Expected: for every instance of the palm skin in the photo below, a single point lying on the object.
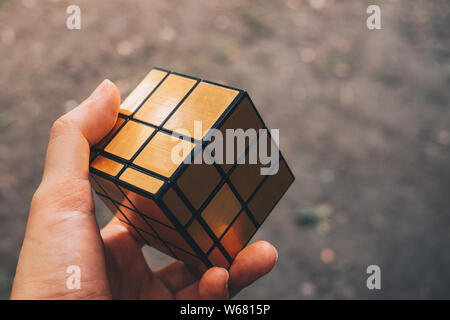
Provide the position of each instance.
(131, 278)
(62, 230)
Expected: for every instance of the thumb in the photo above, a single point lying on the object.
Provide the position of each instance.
(96, 116)
(73, 133)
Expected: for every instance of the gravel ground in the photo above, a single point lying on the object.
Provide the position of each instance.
(364, 122)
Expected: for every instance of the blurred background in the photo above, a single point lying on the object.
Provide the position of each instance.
(363, 115)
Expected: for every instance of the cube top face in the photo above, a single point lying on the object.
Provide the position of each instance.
(202, 213)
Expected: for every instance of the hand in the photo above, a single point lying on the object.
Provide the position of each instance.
(62, 230)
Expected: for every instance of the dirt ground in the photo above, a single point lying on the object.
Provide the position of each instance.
(364, 122)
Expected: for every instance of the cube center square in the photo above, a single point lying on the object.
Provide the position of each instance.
(146, 170)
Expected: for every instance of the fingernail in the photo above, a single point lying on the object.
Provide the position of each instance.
(276, 253)
(100, 90)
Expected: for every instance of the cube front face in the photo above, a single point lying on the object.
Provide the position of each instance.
(202, 214)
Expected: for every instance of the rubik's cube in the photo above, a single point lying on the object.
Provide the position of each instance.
(200, 213)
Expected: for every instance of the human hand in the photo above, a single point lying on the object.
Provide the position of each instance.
(62, 230)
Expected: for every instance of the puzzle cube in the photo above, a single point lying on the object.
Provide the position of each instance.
(202, 214)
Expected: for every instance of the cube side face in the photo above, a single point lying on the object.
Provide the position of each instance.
(245, 118)
(224, 196)
(260, 183)
(202, 214)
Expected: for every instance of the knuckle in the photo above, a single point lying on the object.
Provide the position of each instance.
(60, 126)
(41, 194)
(71, 195)
(37, 196)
